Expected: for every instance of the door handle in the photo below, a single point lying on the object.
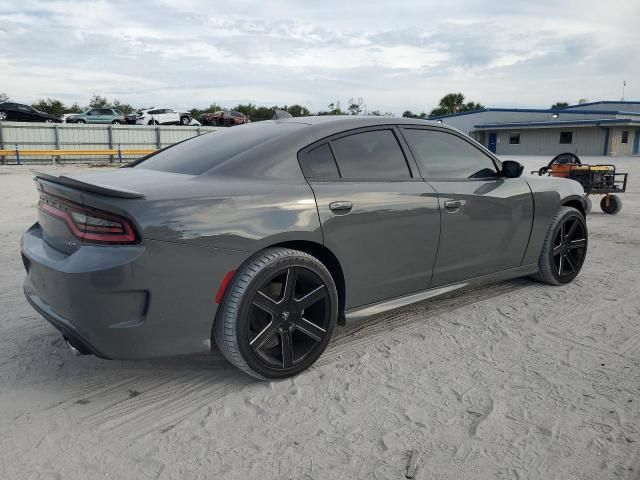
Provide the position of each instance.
(341, 208)
(452, 206)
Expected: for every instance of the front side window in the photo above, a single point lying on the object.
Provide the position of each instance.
(444, 155)
(625, 136)
(514, 139)
(370, 155)
(566, 138)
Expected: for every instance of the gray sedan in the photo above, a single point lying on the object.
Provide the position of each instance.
(263, 237)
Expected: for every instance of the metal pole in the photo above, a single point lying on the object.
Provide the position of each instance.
(3, 158)
(158, 137)
(56, 134)
(18, 155)
(119, 154)
(111, 143)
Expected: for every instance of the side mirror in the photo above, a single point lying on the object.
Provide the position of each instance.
(511, 169)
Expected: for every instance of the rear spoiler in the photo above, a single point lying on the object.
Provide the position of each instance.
(105, 190)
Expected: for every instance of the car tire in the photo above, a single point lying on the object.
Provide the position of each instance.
(260, 327)
(81, 121)
(116, 122)
(3, 116)
(184, 121)
(611, 207)
(564, 248)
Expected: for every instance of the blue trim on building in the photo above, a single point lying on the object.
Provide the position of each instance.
(560, 123)
(566, 110)
(600, 102)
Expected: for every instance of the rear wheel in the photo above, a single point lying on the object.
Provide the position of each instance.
(116, 122)
(278, 314)
(81, 121)
(3, 116)
(564, 248)
(611, 204)
(185, 121)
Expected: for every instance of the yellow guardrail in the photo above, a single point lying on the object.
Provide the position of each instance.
(64, 153)
(117, 152)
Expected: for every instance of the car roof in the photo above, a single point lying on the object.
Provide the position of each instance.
(262, 160)
(325, 125)
(356, 121)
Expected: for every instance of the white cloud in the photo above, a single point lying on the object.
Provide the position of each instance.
(397, 55)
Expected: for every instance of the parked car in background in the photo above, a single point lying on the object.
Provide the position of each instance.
(64, 117)
(17, 112)
(224, 118)
(98, 115)
(162, 116)
(130, 118)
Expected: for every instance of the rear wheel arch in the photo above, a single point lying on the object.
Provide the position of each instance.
(330, 261)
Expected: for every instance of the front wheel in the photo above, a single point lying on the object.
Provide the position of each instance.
(278, 314)
(116, 122)
(564, 248)
(611, 204)
(185, 121)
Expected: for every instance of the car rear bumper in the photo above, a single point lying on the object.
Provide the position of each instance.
(127, 302)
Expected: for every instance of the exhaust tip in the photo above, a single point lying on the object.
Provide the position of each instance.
(76, 351)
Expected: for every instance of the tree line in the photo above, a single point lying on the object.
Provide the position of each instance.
(449, 104)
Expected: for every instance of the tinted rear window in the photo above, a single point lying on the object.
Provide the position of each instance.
(370, 155)
(199, 154)
(319, 163)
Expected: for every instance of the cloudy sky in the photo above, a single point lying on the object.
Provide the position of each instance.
(397, 55)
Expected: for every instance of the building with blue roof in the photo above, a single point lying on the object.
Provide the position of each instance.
(597, 128)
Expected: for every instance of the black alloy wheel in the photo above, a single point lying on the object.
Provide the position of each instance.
(289, 317)
(564, 248)
(278, 314)
(569, 248)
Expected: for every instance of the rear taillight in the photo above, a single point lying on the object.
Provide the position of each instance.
(90, 224)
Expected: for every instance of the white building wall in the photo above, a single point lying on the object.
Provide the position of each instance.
(546, 141)
(466, 123)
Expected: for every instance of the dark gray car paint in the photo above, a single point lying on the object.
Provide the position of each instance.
(487, 233)
(157, 298)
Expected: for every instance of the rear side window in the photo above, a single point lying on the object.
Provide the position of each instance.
(370, 155)
(319, 163)
(444, 155)
(200, 154)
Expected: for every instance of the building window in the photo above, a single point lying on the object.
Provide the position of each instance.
(625, 136)
(514, 139)
(566, 138)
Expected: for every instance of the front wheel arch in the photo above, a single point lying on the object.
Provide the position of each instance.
(579, 203)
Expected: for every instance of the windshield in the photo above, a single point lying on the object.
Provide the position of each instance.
(199, 154)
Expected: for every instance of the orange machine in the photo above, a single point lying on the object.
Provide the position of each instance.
(595, 179)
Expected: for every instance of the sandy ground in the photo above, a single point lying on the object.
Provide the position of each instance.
(513, 381)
